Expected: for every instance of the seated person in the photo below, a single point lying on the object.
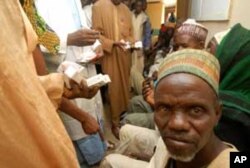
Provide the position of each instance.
(187, 109)
(189, 35)
(232, 48)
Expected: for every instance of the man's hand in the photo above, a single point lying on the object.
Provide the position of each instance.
(120, 44)
(83, 37)
(80, 91)
(99, 54)
(89, 124)
(148, 92)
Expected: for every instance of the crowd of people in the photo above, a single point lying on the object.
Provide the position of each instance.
(175, 103)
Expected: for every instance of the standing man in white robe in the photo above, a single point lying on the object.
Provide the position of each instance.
(66, 18)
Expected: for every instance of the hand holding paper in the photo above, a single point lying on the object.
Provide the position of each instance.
(76, 84)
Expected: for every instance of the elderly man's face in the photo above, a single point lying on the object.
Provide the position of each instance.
(182, 41)
(186, 111)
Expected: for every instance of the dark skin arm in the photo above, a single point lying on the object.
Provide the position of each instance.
(80, 91)
(148, 92)
(39, 62)
(77, 91)
(82, 37)
(89, 123)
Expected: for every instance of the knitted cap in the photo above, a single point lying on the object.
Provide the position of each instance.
(191, 27)
(197, 62)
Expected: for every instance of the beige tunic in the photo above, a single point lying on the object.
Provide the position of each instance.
(32, 134)
(160, 159)
(115, 24)
(137, 57)
(138, 25)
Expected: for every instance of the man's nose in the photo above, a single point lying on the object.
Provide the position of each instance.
(178, 121)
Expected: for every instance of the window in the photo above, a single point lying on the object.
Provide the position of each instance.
(205, 10)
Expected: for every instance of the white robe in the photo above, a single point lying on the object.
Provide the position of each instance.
(64, 17)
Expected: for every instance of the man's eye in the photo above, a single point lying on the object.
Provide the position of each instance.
(164, 108)
(196, 111)
(184, 46)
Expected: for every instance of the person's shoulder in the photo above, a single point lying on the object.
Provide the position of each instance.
(101, 3)
(145, 16)
(223, 159)
(122, 5)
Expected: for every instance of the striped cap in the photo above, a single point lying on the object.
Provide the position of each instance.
(196, 62)
(191, 27)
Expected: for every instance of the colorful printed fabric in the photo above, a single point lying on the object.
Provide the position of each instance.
(196, 62)
(46, 36)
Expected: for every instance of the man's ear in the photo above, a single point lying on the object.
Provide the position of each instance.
(218, 111)
(202, 44)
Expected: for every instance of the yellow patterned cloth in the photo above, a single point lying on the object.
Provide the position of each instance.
(196, 62)
(46, 36)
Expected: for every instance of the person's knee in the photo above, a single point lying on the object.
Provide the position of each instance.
(134, 101)
(113, 160)
(130, 119)
(137, 105)
(137, 119)
(105, 163)
(137, 99)
(125, 132)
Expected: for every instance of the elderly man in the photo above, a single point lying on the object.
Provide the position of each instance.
(189, 35)
(187, 109)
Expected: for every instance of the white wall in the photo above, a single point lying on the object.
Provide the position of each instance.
(239, 13)
(169, 3)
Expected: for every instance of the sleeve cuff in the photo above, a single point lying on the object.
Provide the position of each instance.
(53, 84)
(63, 45)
